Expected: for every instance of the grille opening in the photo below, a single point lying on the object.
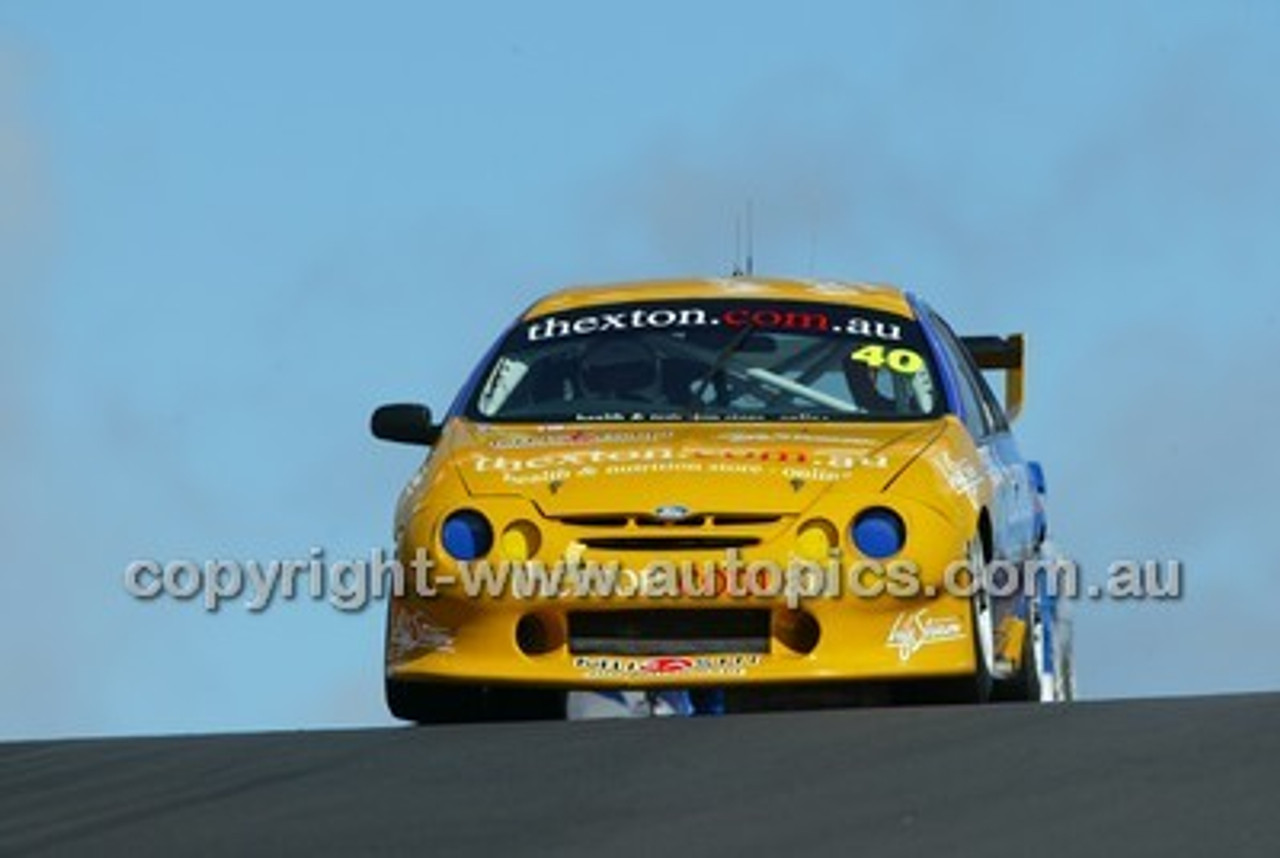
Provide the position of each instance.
(595, 520)
(683, 542)
(654, 521)
(669, 632)
(798, 631)
(535, 636)
(648, 520)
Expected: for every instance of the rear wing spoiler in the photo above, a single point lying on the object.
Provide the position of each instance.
(1002, 354)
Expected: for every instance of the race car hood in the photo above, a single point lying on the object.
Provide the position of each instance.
(624, 468)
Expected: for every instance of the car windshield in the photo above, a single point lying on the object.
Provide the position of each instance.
(710, 360)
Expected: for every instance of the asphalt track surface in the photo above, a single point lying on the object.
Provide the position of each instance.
(1159, 777)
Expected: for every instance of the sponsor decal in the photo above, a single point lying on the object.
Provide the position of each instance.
(771, 316)
(904, 361)
(553, 477)
(859, 443)
(606, 460)
(611, 667)
(960, 474)
(913, 630)
(577, 438)
(412, 634)
(837, 470)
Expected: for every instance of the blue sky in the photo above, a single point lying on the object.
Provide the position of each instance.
(229, 230)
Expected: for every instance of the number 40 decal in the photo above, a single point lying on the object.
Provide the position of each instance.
(899, 360)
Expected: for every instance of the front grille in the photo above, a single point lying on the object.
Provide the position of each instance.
(681, 542)
(595, 520)
(654, 521)
(669, 632)
(645, 520)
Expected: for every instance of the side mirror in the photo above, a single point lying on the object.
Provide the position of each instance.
(1036, 470)
(405, 423)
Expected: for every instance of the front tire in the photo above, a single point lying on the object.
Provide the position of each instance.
(976, 687)
(457, 703)
(979, 686)
(434, 702)
(526, 704)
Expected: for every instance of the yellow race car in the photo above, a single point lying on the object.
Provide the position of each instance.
(752, 490)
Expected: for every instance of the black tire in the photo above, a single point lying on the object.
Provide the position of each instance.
(456, 703)
(525, 704)
(970, 688)
(1024, 686)
(982, 683)
(435, 702)
(978, 686)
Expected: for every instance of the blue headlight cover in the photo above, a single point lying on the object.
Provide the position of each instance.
(879, 532)
(466, 535)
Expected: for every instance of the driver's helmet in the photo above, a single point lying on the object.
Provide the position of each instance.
(618, 367)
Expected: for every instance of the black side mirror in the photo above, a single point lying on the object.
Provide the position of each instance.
(406, 423)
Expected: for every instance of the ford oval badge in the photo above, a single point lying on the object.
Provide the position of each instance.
(671, 512)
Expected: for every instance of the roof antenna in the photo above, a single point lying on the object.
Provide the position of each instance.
(744, 266)
(737, 246)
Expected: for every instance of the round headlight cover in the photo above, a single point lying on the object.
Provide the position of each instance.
(520, 540)
(466, 535)
(815, 539)
(878, 532)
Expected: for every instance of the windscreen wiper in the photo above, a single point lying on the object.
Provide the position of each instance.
(700, 386)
